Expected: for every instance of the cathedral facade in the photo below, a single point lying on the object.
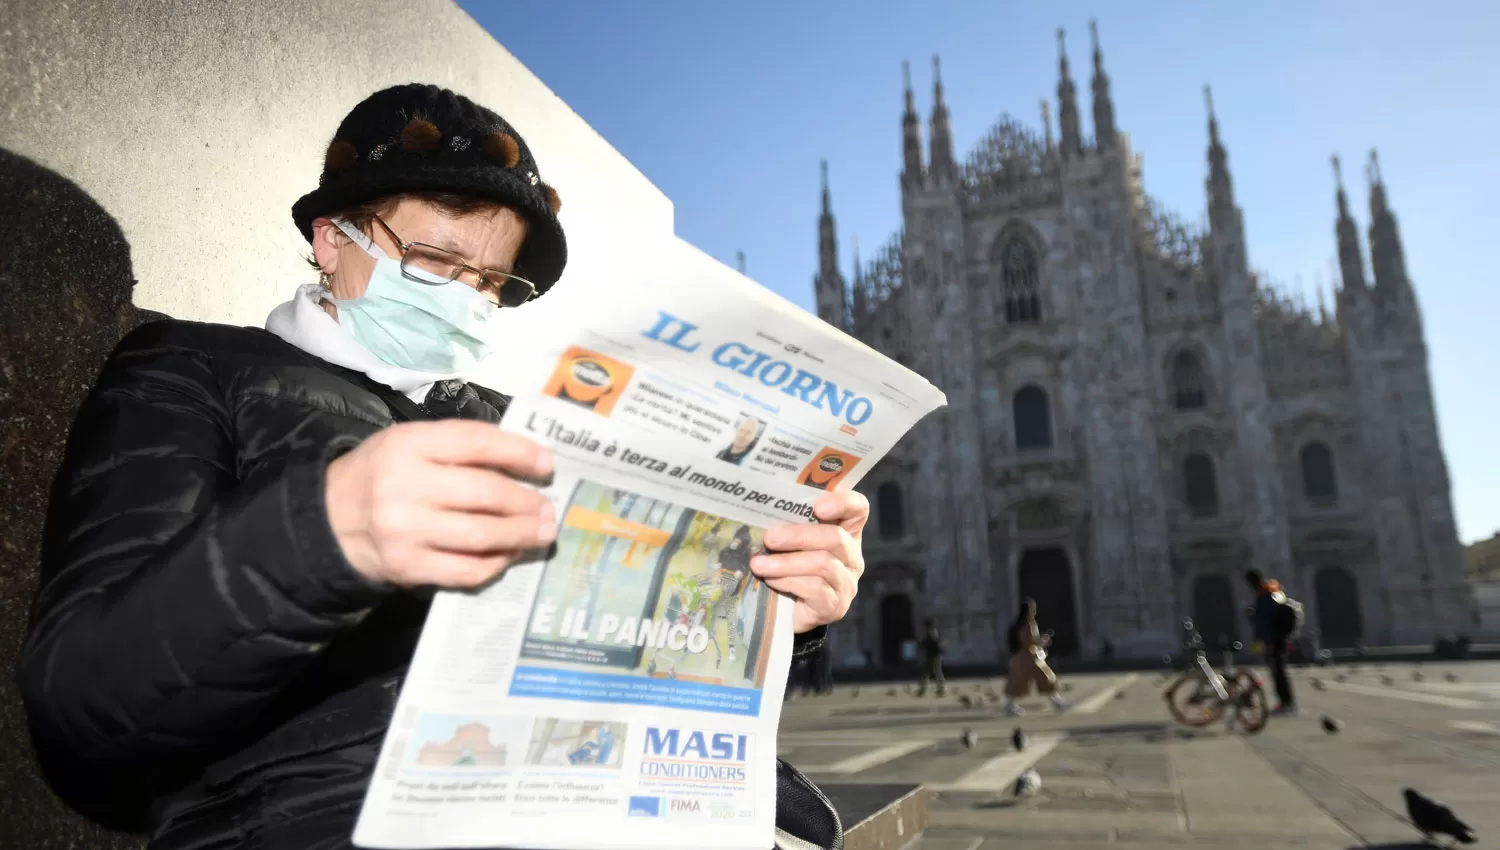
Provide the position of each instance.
(1135, 419)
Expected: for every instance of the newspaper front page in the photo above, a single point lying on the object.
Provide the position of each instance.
(623, 689)
(719, 366)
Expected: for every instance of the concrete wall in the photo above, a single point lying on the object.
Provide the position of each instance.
(152, 152)
(198, 124)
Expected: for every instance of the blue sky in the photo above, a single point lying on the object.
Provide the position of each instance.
(728, 107)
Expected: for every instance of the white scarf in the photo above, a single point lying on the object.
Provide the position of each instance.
(304, 323)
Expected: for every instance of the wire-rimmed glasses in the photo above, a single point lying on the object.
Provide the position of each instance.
(434, 266)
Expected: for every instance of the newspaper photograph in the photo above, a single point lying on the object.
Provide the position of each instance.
(621, 689)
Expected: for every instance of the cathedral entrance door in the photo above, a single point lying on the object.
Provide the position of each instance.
(1213, 609)
(1046, 576)
(1338, 607)
(897, 626)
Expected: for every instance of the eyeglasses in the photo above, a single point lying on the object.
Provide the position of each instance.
(434, 266)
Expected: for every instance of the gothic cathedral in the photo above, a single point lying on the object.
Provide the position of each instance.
(1134, 418)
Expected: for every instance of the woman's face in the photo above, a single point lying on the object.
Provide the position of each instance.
(489, 239)
(745, 434)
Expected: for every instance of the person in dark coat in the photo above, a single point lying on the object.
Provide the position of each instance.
(245, 532)
(930, 649)
(1265, 618)
(823, 663)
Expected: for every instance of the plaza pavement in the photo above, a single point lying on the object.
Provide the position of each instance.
(1117, 772)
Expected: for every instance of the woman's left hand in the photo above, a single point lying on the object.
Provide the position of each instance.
(819, 565)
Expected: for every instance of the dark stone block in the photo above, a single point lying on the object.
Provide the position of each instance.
(65, 278)
(878, 817)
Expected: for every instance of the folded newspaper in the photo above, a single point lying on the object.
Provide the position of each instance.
(623, 689)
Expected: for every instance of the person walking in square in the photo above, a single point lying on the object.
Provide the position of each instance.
(931, 651)
(1028, 663)
(1274, 621)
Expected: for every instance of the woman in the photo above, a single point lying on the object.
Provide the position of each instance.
(731, 571)
(1028, 662)
(246, 527)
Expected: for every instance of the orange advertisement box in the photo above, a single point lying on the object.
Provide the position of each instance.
(827, 468)
(589, 379)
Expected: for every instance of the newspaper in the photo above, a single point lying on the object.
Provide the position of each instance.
(623, 689)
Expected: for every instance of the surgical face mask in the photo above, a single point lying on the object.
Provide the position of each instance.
(438, 328)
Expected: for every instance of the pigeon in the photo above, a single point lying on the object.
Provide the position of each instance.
(970, 740)
(1028, 783)
(1318, 684)
(1018, 739)
(1387, 681)
(966, 701)
(1416, 675)
(890, 693)
(1332, 726)
(1119, 694)
(854, 694)
(1451, 677)
(1434, 818)
(1340, 677)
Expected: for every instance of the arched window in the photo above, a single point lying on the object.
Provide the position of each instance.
(1021, 278)
(890, 512)
(1033, 418)
(1318, 482)
(1188, 391)
(1200, 485)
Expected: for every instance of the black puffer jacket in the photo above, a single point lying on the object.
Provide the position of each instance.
(202, 661)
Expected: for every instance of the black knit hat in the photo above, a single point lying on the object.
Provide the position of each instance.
(416, 138)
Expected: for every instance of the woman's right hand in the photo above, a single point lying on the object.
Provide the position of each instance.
(437, 503)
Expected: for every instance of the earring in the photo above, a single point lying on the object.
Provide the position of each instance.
(325, 281)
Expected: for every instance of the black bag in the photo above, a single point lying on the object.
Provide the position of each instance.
(805, 820)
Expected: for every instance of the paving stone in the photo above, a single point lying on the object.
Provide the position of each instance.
(1125, 778)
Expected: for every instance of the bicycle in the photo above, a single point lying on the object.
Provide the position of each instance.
(1201, 695)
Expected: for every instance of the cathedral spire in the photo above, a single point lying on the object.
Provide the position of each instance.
(827, 200)
(1225, 224)
(1386, 256)
(861, 296)
(1067, 103)
(942, 135)
(1047, 124)
(911, 131)
(1351, 263)
(1104, 108)
(828, 287)
(1220, 186)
